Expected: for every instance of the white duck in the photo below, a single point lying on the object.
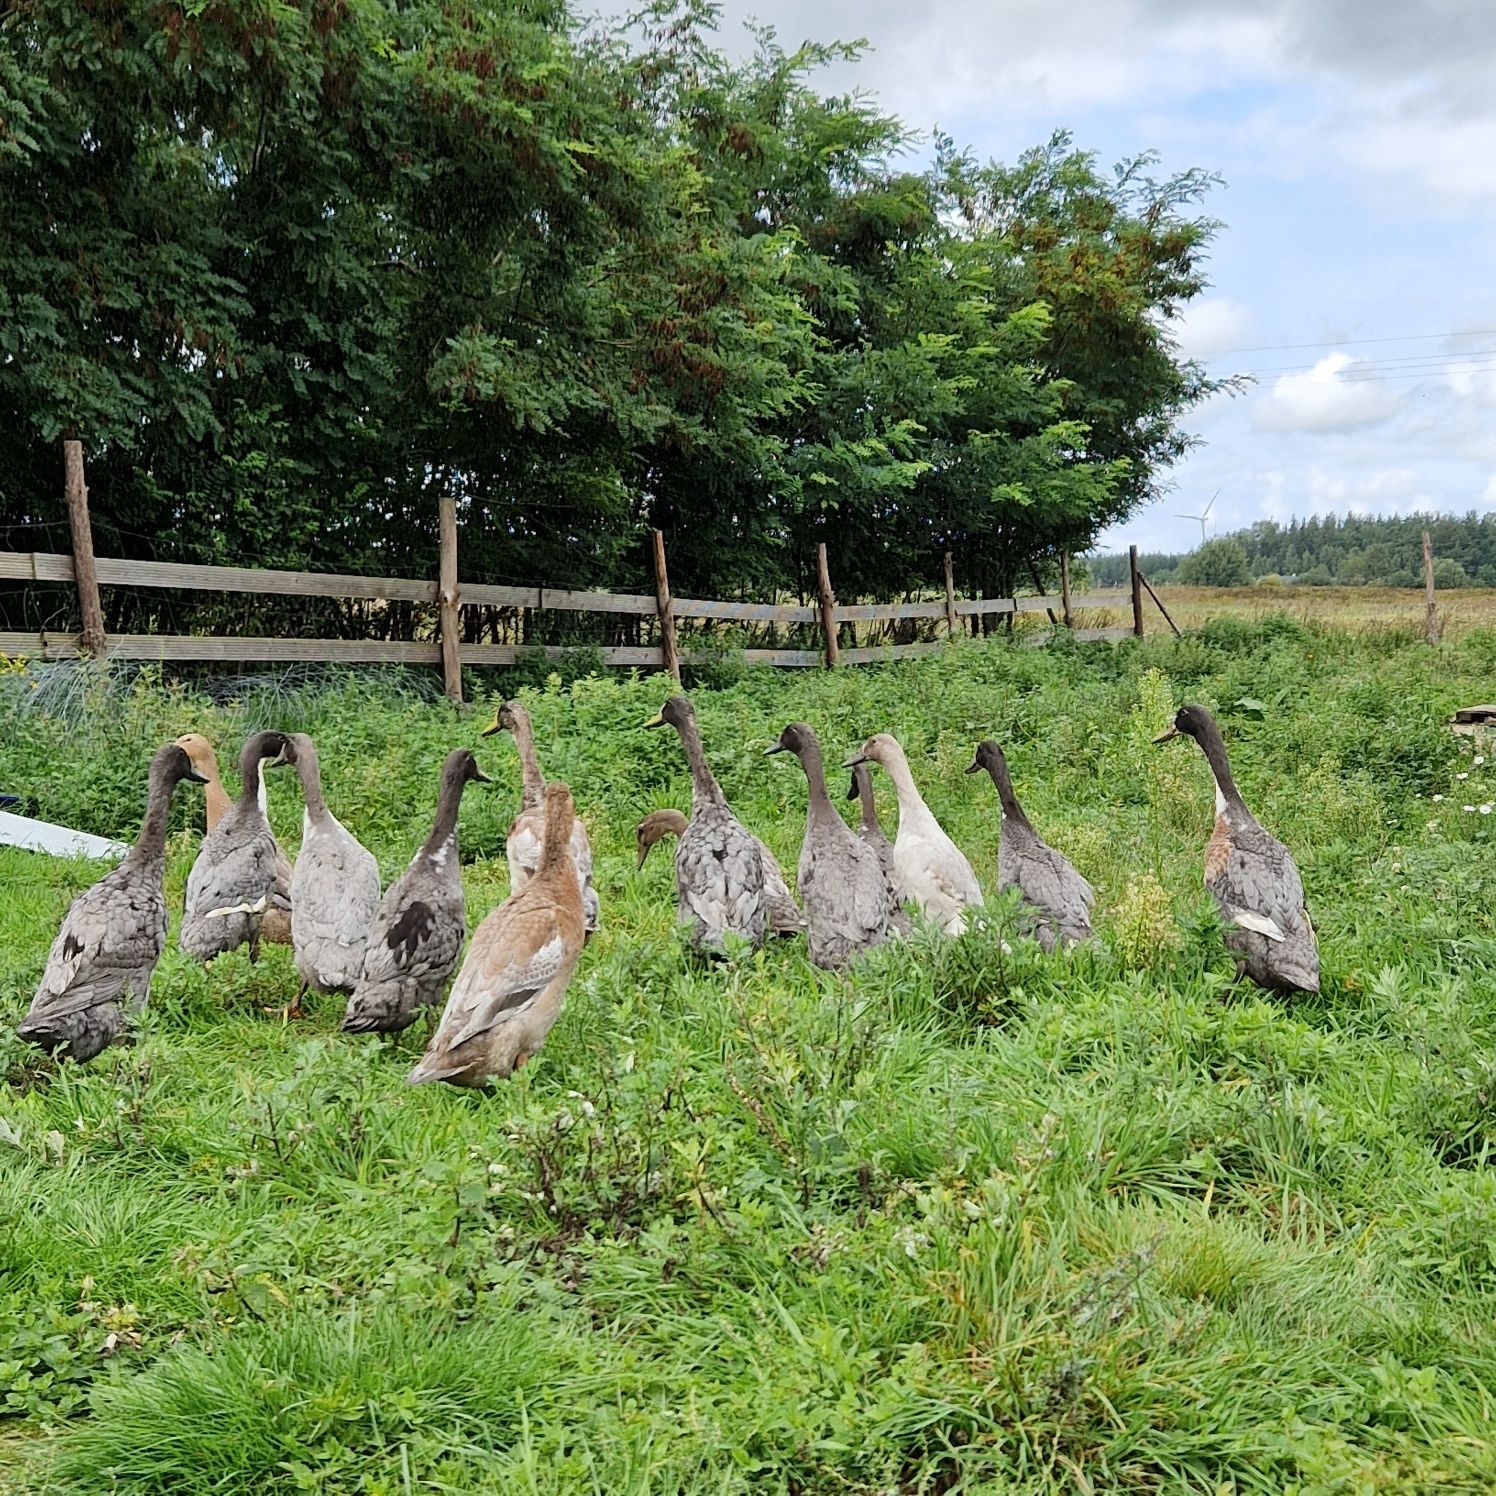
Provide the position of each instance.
(933, 873)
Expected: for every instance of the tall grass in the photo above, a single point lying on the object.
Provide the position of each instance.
(974, 1219)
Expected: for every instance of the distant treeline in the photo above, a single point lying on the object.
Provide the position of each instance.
(1348, 551)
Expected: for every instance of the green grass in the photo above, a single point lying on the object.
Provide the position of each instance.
(974, 1220)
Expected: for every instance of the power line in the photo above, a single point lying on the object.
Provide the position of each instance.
(1380, 363)
(1411, 337)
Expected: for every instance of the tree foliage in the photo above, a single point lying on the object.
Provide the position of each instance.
(1349, 550)
(1217, 563)
(291, 267)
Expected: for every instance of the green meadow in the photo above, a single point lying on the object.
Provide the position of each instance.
(972, 1219)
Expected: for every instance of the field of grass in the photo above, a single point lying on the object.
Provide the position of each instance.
(1383, 609)
(972, 1220)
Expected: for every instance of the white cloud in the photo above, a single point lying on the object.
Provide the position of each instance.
(1319, 399)
(1213, 325)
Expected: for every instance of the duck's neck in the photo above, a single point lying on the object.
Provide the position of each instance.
(815, 777)
(704, 784)
(253, 776)
(867, 800)
(215, 798)
(911, 804)
(444, 828)
(150, 846)
(1012, 810)
(311, 782)
(557, 844)
(533, 780)
(1213, 746)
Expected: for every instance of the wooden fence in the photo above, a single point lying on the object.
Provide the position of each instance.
(88, 573)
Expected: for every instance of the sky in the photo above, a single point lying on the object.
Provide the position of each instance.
(1355, 276)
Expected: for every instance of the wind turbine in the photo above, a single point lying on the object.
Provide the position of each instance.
(1202, 517)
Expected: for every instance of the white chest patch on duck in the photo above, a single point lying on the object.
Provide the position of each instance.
(439, 857)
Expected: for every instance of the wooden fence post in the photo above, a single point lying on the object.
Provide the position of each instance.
(1137, 590)
(1431, 618)
(85, 572)
(669, 654)
(447, 598)
(1065, 590)
(950, 596)
(828, 606)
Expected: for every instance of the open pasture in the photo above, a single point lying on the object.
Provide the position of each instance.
(974, 1219)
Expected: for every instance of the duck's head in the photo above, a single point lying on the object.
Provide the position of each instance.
(676, 713)
(989, 757)
(461, 766)
(797, 738)
(510, 717)
(200, 754)
(264, 750)
(881, 748)
(173, 763)
(656, 825)
(1190, 721)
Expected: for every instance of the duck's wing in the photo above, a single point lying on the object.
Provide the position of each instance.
(110, 940)
(581, 856)
(1258, 886)
(784, 914)
(334, 889)
(720, 873)
(515, 955)
(1049, 882)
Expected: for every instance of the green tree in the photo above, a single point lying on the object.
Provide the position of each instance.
(1218, 563)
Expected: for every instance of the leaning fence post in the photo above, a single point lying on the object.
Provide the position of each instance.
(1137, 590)
(447, 598)
(828, 605)
(85, 572)
(1431, 619)
(1065, 612)
(669, 654)
(950, 596)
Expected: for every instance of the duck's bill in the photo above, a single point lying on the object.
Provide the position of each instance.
(852, 789)
(193, 777)
(480, 776)
(1164, 737)
(491, 729)
(658, 720)
(857, 758)
(973, 767)
(777, 748)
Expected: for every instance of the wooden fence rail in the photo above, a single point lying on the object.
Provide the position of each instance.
(447, 596)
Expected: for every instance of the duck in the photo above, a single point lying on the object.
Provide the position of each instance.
(870, 829)
(1252, 876)
(719, 870)
(781, 911)
(933, 873)
(513, 981)
(101, 963)
(334, 887)
(275, 923)
(849, 906)
(233, 880)
(417, 934)
(1056, 899)
(527, 832)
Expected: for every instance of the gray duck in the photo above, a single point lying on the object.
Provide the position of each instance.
(233, 881)
(849, 906)
(334, 886)
(418, 932)
(1251, 876)
(719, 871)
(782, 912)
(1056, 899)
(870, 829)
(101, 962)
